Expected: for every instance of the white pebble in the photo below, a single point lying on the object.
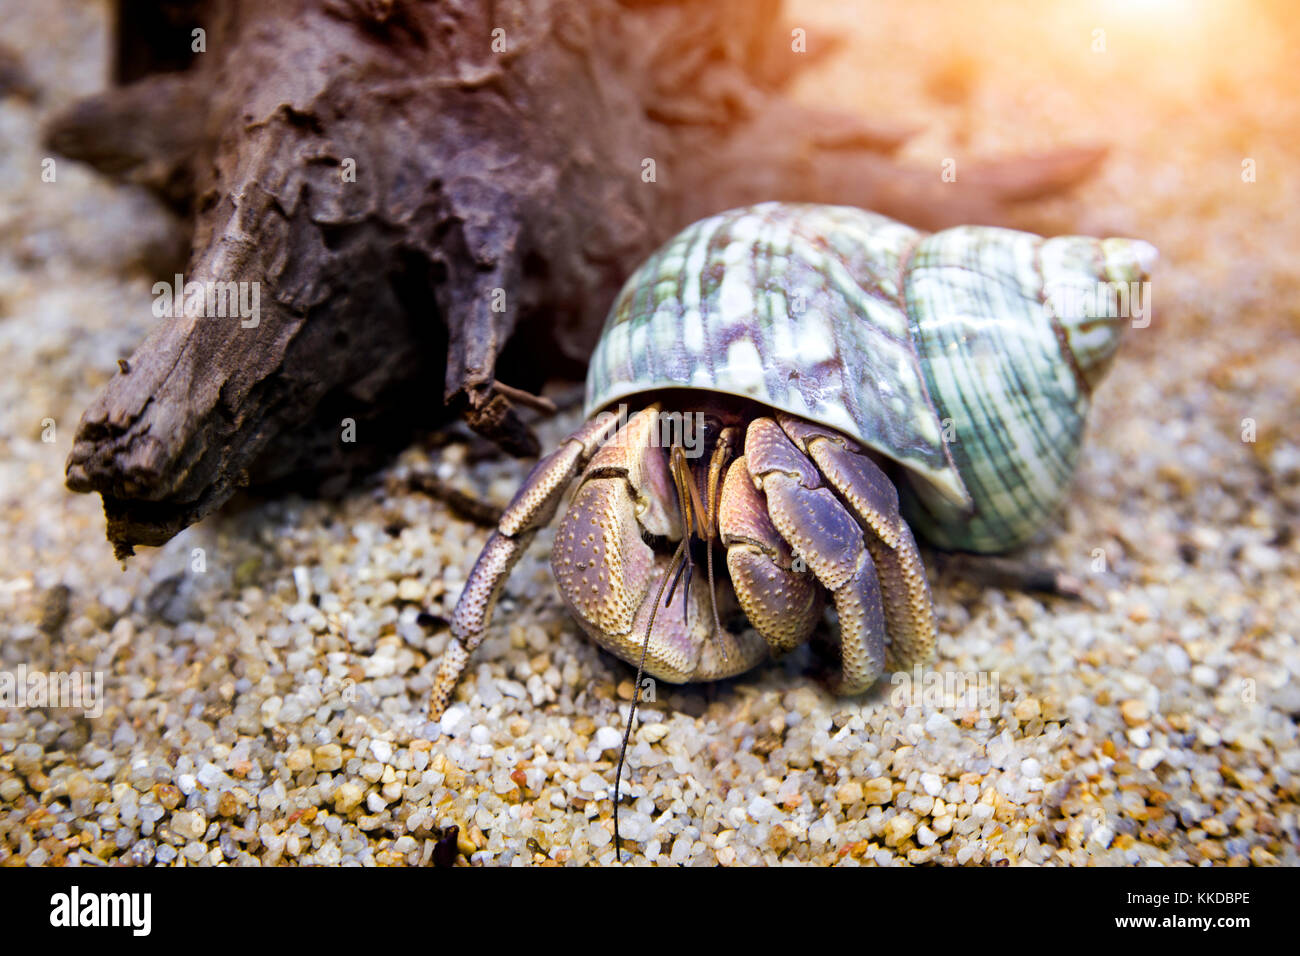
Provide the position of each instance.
(451, 719)
(404, 844)
(1262, 558)
(681, 850)
(937, 724)
(1150, 759)
(761, 809)
(1177, 659)
(1204, 675)
(302, 582)
(210, 776)
(598, 836)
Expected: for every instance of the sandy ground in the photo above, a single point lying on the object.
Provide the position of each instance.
(265, 673)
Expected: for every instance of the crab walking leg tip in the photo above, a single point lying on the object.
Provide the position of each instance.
(453, 663)
(533, 507)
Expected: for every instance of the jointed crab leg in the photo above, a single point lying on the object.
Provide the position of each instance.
(533, 507)
(603, 566)
(826, 537)
(873, 500)
(784, 605)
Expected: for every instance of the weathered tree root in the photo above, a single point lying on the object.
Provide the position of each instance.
(451, 190)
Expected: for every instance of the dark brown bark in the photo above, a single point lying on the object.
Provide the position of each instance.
(500, 198)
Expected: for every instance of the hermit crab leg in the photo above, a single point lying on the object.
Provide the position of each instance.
(784, 605)
(829, 540)
(533, 507)
(872, 498)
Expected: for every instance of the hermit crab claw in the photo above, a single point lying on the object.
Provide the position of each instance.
(839, 514)
(627, 597)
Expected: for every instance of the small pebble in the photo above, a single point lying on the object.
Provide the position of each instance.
(898, 828)
(348, 796)
(849, 793)
(1134, 712)
(298, 760)
(878, 790)
(328, 757)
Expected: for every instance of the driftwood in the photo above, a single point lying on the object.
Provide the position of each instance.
(432, 198)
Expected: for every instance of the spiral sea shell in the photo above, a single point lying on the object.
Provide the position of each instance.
(966, 357)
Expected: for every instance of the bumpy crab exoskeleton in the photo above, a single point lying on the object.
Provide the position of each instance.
(801, 511)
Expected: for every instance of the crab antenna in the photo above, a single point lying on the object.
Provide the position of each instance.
(673, 567)
(676, 467)
(677, 577)
(698, 511)
(717, 461)
(693, 516)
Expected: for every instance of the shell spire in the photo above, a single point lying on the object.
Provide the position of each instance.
(1092, 289)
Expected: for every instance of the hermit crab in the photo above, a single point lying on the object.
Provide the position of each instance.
(781, 394)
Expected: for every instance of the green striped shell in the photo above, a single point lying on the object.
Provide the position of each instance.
(966, 356)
